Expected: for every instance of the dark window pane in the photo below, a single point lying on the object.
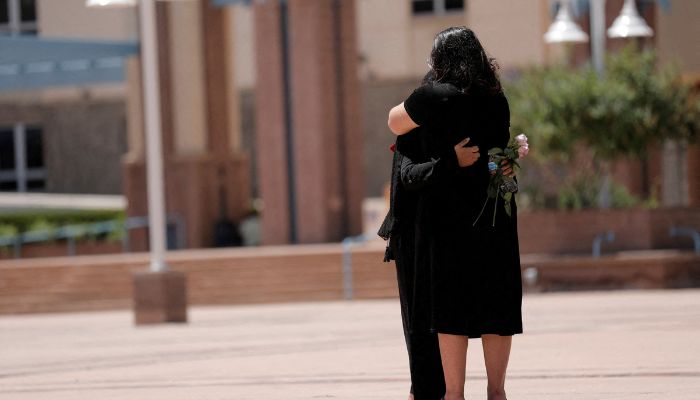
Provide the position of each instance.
(7, 149)
(4, 12)
(422, 6)
(8, 186)
(454, 5)
(35, 147)
(28, 10)
(36, 185)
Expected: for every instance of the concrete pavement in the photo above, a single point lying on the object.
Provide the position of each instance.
(583, 345)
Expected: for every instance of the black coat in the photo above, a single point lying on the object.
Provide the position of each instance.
(399, 228)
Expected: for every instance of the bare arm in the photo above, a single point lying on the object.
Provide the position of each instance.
(399, 121)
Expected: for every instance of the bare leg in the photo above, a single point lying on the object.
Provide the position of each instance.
(453, 350)
(496, 353)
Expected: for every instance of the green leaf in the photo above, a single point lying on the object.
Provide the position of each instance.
(495, 151)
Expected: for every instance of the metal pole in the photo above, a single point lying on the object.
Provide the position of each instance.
(597, 11)
(154, 153)
(288, 121)
(20, 137)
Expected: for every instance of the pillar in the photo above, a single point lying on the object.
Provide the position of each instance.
(310, 143)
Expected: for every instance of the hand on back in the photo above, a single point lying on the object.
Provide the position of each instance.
(466, 156)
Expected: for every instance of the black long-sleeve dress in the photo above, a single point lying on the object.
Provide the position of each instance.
(473, 285)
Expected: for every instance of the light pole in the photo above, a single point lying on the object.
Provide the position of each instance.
(170, 306)
(628, 24)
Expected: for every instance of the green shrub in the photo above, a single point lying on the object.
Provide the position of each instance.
(622, 198)
(21, 222)
(634, 105)
(583, 191)
(580, 192)
(7, 230)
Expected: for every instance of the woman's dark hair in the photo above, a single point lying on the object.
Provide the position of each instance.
(458, 58)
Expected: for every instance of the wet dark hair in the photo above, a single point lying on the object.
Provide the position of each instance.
(458, 58)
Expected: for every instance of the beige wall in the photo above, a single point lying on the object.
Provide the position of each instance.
(511, 31)
(678, 35)
(384, 38)
(242, 45)
(71, 19)
(187, 83)
(394, 43)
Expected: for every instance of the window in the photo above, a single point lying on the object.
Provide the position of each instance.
(437, 6)
(22, 158)
(18, 17)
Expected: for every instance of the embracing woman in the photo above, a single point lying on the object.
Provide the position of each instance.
(473, 284)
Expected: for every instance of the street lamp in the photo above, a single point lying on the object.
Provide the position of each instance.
(110, 3)
(564, 29)
(628, 24)
(172, 287)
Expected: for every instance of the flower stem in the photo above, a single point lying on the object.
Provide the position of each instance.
(482, 211)
(495, 206)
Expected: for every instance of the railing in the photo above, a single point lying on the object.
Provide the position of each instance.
(608, 236)
(348, 244)
(70, 233)
(688, 232)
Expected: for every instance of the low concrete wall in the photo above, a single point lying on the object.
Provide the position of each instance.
(298, 273)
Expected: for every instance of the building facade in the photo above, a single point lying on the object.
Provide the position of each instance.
(216, 89)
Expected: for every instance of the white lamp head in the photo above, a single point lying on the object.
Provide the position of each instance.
(110, 3)
(629, 23)
(564, 29)
(115, 3)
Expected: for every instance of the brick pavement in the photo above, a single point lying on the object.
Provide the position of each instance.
(583, 345)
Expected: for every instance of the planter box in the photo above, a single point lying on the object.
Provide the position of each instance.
(573, 232)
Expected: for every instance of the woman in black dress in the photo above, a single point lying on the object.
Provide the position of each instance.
(474, 284)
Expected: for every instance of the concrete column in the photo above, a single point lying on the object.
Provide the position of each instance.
(270, 124)
(327, 160)
(352, 119)
(204, 179)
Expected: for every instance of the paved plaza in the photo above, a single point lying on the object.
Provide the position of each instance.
(584, 345)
